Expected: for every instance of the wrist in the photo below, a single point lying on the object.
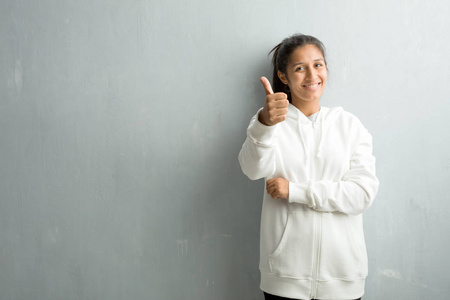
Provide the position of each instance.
(261, 118)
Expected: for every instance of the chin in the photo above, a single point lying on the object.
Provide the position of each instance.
(309, 99)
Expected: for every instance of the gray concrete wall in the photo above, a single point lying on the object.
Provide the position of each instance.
(121, 121)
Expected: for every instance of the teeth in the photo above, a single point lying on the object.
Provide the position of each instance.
(312, 86)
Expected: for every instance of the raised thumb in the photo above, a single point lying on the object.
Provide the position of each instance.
(266, 84)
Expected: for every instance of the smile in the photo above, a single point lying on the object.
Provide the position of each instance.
(311, 86)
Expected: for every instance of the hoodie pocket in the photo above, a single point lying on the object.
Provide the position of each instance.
(293, 255)
(343, 254)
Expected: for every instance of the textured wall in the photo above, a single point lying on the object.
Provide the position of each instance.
(121, 121)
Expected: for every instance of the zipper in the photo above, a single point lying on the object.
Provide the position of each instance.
(316, 261)
(317, 222)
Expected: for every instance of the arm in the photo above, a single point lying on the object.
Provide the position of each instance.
(257, 156)
(353, 194)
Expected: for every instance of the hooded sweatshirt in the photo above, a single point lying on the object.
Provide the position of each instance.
(312, 244)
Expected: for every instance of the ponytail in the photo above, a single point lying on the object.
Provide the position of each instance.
(277, 85)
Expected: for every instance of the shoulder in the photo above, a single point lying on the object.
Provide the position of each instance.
(340, 115)
(345, 122)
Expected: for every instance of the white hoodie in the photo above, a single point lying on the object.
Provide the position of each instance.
(312, 244)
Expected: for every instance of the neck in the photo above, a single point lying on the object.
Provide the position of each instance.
(307, 107)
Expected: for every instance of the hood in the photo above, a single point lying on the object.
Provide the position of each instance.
(326, 115)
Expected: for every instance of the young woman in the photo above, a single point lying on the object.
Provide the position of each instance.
(320, 176)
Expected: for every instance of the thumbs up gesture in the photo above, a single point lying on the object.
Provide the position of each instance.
(275, 107)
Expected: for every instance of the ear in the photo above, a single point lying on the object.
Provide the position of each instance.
(282, 77)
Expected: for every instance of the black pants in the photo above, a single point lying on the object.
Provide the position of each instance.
(273, 297)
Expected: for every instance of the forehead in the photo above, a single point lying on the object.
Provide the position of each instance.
(305, 54)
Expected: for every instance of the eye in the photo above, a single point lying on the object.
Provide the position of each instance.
(299, 69)
(318, 65)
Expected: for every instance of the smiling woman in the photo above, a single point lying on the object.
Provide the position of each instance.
(282, 58)
(320, 177)
(305, 75)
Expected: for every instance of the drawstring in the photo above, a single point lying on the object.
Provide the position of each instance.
(303, 142)
(320, 123)
(319, 148)
(321, 138)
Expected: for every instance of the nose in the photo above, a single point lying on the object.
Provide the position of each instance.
(311, 74)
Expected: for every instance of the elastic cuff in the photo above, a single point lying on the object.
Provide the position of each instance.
(298, 193)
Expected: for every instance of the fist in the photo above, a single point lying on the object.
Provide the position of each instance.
(278, 188)
(275, 107)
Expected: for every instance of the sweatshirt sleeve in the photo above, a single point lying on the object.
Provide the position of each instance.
(351, 195)
(257, 156)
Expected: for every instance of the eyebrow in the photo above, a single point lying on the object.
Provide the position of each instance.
(302, 63)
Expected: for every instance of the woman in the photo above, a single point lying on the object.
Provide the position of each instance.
(320, 176)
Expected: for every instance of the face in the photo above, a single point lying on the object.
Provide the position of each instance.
(306, 74)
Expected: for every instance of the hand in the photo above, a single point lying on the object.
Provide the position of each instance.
(275, 107)
(278, 188)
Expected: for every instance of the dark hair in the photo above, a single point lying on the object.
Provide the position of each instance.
(281, 54)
